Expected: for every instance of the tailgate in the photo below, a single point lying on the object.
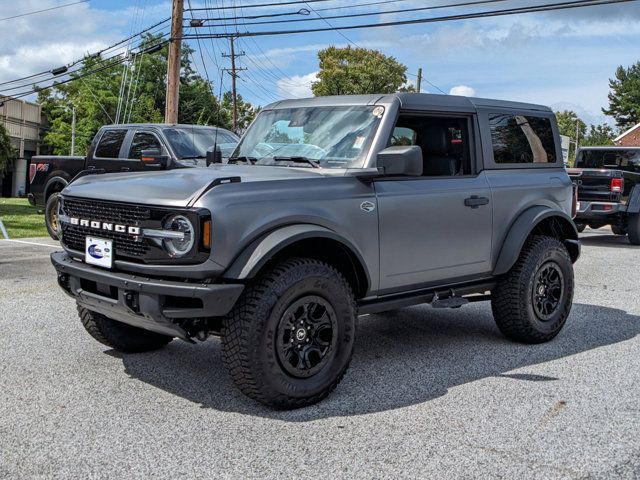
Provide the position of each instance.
(594, 185)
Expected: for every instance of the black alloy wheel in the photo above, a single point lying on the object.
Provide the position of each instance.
(547, 290)
(307, 333)
(289, 339)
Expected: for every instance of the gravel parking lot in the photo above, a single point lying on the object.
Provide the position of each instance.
(430, 393)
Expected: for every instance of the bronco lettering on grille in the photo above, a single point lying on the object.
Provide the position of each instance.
(104, 226)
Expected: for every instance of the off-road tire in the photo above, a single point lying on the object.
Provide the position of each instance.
(513, 298)
(580, 227)
(51, 215)
(120, 336)
(250, 333)
(617, 230)
(633, 228)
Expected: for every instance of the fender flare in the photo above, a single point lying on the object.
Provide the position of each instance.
(522, 228)
(260, 251)
(53, 181)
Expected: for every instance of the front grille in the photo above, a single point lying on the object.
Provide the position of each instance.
(125, 245)
(107, 212)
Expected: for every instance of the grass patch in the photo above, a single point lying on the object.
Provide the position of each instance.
(21, 219)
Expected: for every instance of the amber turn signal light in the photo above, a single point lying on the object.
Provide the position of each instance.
(206, 234)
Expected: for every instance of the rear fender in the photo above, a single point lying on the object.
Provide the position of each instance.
(526, 224)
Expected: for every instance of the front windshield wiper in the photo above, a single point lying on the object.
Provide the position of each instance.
(311, 162)
(248, 160)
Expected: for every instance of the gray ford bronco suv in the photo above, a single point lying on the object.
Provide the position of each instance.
(329, 208)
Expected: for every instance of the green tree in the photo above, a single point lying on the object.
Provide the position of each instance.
(599, 135)
(246, 111)
(96, 97)
(568, 120)
(347, 71)
(7, 152)
(624, 96)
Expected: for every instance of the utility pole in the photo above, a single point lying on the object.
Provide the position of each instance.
(419, 81)
(73, 131)
(173, 63)
(233, 71)
(577, 134)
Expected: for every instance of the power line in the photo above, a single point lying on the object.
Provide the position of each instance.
(324, 19)
(302, 11)
(491, 13)
(257, 5)
(43, 10)
(69, 72)
(119, 60)
(92, 55)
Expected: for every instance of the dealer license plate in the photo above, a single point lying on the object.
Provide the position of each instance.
(98, 251)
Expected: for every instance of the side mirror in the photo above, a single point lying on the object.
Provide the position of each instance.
(154, 158)
(402, 160)
(214, 155)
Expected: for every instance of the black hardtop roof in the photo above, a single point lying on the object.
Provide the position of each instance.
(160, 125)
(409, 101)
(608, 147)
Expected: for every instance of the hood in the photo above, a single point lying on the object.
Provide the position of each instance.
(178, 187)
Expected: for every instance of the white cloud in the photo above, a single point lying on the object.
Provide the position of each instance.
(463, 90)
(47, 40)
(297, 86)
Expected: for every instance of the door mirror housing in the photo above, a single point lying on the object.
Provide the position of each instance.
(400, 160)
(154, 158)
(214, 155)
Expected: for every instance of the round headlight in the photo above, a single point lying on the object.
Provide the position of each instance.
(179, 247)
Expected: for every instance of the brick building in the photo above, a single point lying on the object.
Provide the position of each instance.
(23, 122)
(630, 138)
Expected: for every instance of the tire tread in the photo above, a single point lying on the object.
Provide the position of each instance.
(239, 325)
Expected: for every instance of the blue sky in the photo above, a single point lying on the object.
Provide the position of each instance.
(562, 59)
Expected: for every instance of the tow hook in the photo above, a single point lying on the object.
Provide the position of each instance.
(131, 299)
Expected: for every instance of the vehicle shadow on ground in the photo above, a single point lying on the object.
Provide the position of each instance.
(402, 358)
(603, 240)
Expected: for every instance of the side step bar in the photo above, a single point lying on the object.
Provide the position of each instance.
(438, 297)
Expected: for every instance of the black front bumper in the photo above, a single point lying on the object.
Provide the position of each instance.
(142, 302)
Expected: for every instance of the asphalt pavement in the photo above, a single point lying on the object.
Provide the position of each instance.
(429, 394)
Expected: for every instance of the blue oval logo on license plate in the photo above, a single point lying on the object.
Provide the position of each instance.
(95, 251)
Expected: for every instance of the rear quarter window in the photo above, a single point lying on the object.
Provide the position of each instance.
(521, 139)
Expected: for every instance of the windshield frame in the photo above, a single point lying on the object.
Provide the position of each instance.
(362, 161)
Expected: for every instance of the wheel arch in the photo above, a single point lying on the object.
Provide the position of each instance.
(56, 183)
(303, 240)
(538, 220)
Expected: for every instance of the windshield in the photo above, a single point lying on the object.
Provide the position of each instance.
(332, 137)
(194, 142)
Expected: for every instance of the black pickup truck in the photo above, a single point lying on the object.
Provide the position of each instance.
(119, 148)
(608, 180)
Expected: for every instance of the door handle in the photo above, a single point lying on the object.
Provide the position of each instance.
(125, 169)
(475, 201)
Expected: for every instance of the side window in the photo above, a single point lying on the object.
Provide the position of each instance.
(143, 141)
(110, 143)
(403, 136)
(444, 141)
(522, 139)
